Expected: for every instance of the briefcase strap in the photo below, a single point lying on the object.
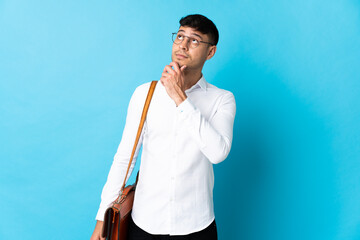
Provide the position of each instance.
(141, 124)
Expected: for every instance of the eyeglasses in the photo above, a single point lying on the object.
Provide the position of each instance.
(178, 38)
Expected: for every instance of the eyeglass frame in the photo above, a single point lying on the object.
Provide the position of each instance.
(176, 33)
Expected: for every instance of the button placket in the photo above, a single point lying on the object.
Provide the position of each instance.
(173, 172)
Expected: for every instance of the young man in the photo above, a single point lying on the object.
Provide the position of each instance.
(189, 127)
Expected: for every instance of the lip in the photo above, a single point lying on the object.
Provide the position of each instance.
(180, 56)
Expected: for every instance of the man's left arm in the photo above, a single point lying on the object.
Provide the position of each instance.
(214, 136)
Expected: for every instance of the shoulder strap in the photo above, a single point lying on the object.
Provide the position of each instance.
(141, 124)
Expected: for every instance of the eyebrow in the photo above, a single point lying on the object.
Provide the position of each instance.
(192, 34)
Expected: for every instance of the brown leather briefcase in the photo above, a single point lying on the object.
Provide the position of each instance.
(117, 216)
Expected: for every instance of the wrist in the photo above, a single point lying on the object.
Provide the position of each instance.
(180, 99)
(99, 224)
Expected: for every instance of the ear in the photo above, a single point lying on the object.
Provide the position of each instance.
(211, 52)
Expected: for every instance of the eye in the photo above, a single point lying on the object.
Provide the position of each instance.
(180, 37)
(193, 40)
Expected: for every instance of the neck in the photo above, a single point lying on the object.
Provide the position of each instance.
(191, 78)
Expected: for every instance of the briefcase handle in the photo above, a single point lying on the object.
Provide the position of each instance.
(141, 124)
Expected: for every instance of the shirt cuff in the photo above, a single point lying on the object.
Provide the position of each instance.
(190, 117)
(185, 107)
(100, 214)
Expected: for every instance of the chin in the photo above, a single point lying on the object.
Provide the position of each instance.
(180, 62)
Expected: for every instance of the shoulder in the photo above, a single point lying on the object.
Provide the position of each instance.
(141, 90)
(139, 95)
(224, 94)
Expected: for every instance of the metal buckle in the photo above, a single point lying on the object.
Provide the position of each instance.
(120, 197)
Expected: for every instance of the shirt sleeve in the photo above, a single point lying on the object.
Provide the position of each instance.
(121, 159)
(214, 136)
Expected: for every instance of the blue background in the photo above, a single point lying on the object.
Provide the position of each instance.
(68, 69)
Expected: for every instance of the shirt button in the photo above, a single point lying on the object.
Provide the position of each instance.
(173, 178)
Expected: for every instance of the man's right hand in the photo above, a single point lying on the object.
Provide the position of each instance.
(97, 231)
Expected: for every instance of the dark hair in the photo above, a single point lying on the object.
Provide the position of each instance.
(201, 24)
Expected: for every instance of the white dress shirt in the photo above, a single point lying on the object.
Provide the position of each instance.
(174, 194)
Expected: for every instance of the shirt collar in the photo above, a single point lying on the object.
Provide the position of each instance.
(201, 83)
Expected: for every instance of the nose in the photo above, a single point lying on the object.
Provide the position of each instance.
(185, 43)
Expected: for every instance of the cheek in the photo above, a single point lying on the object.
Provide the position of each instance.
(205, 55)
(174, 47)
(200, 56)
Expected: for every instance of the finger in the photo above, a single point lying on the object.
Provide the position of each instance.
(176, 66)
(169, 70)
(164, 80)
(183, 68)
(165, 75)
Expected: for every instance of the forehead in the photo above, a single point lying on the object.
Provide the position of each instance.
(192, 32)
